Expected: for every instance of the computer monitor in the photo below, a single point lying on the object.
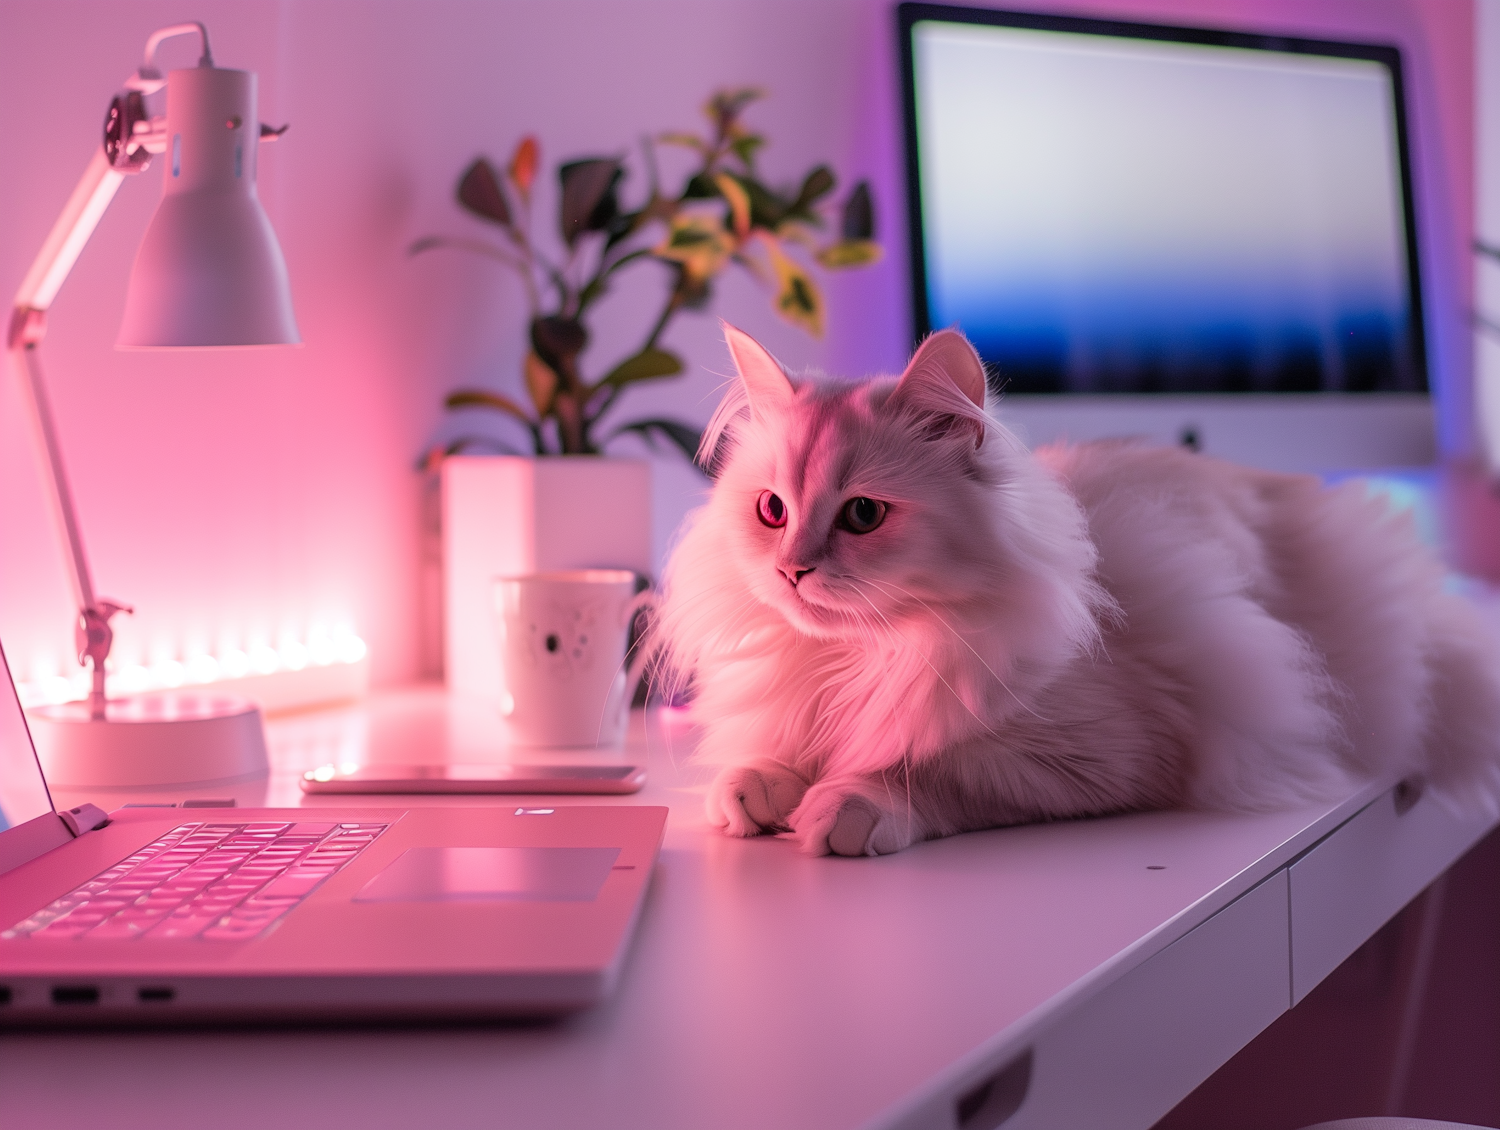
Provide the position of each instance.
(1192, 235)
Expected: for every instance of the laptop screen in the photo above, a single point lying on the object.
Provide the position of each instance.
(23, 790)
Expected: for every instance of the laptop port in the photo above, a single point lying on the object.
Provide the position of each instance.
(75, 994)
(151, 994)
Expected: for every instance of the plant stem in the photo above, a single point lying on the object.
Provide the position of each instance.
(609, 398)
(572, 428)
(587, 299)
(536, 259)
(674, 303)
(648, 150)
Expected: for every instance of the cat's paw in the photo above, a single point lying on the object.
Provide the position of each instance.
(837, 818)
(750, 800)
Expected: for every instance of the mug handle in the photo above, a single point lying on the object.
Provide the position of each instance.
(643, 600)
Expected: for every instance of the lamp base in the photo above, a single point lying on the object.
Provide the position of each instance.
(151, 741)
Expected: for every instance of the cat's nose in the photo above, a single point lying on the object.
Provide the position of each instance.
(794, 573)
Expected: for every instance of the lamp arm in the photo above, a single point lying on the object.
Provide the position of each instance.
(80, 216)
(93, 635)
(28, 326)
(29, 371)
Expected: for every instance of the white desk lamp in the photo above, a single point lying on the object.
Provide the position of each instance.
(208, 274)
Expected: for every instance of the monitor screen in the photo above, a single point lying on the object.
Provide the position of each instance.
(1113, 208)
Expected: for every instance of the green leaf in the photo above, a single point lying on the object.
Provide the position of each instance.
(700, 187)
(857, 222)
(699, 243)
(725, 107)
(766, 208)
(850, 253)
(798, 299)
(819, 183)
(646, 365)
(588, 195)
(479, 192)
(685, 438)
(746, 147)
(802, 305)
(480, 398)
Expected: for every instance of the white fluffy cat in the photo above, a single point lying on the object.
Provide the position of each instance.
(900, 624)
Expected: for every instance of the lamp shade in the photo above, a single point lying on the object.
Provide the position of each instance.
(209, 271)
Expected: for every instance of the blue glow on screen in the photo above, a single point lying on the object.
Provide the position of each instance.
(1104, 214)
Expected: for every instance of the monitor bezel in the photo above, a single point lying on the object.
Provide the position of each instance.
(908, 15)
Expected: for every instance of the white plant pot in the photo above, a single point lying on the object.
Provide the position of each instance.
(506, 515)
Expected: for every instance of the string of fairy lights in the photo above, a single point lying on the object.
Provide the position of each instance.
(46, 683)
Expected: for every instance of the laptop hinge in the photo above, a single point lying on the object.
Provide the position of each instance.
(84, 818)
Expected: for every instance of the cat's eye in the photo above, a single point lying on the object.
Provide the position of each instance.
(861, 515)
(771, 510)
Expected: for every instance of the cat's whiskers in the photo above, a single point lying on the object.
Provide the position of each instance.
(865, 628)
(959, 636)
(923, 657)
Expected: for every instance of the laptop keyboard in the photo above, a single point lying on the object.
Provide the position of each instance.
(211, 882)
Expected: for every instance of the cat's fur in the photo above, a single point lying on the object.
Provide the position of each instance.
(1030, 636)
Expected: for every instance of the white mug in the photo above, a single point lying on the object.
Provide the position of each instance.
(563, 672)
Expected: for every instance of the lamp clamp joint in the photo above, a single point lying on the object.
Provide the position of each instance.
(28, 326)
(94, 636)
(131, 134)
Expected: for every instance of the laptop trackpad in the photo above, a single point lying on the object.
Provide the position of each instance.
(474, 874)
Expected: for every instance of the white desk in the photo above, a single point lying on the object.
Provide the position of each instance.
(768, 989)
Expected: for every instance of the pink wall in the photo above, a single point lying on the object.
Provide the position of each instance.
(243, 496)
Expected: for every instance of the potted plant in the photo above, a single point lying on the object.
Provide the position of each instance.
(517, 515)
(723, 213)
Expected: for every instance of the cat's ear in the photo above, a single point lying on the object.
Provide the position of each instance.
(947, 353)
(945, 378)
(765, 381)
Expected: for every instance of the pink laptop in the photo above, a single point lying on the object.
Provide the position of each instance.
(152, 915)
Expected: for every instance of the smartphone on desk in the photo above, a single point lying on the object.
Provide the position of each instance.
(512, 778)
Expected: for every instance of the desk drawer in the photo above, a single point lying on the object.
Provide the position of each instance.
(1352, 883)
(1132, 1052)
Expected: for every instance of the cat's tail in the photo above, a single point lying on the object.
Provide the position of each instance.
(1462, 738)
